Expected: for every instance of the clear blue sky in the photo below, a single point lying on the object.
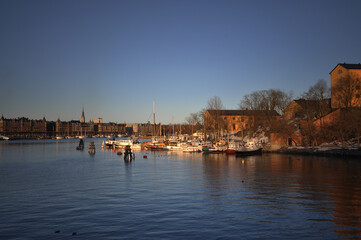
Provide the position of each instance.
(116, 57)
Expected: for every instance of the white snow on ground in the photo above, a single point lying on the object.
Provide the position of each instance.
(349, 145)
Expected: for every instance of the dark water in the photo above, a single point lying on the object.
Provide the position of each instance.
(50, 187)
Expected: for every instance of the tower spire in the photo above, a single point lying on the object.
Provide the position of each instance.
(82, 116)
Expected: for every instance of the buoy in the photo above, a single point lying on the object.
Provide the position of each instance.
(73, 234)
(57, 231)
(119, 153)
(113, 150)
(145, 156)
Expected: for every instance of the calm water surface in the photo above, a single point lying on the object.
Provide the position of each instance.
(47, 186)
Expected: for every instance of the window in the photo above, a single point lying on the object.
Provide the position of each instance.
(357, 95)
(340, 71)
(234, 118)
(358, 87)
(234, 126)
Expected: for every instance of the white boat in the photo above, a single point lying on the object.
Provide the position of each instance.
(110, 143)
(136, 146)
(123, 142)
(247, 149)
(193, 149)
(59, 137)
(4, 138)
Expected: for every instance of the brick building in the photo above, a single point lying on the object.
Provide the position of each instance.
(346, 85)
(303, 109)
(233, 121)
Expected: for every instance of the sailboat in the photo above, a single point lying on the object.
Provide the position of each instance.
(81, 133)
(155, 145)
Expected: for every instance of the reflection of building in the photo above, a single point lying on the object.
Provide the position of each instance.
(348, 77)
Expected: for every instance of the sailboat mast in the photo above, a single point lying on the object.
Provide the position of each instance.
(173, 125)
(153, 118)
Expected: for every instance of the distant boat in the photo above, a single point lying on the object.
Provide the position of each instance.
(249, 152)
(4, 138)
(59, 137)
(122, 143)
(243, 150)
(174, 146)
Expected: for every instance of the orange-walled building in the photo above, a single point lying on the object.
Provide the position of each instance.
(237, 120)
(341, 72)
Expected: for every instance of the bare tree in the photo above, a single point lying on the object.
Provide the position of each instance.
(318, 102)
(215, 103)
(345, 92)
(319, 91)
(214, 121)
(272, 99)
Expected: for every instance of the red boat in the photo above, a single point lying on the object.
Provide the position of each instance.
(231, 151)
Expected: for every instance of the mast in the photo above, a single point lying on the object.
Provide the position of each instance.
(192, 128)
(173, 125)
(153, 118)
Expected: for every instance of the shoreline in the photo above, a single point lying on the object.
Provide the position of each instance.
(338, 152)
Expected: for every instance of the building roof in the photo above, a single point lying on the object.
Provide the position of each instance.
(348, 66)
(306, 103)
(245, 112)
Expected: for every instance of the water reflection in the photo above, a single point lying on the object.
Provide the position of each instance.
(268, 196)
(324, 189)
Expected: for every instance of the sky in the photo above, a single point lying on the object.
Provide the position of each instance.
(116, 57)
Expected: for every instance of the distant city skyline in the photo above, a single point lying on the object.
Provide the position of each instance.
(116, 57)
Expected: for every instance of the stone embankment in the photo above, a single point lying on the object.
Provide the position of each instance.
(318, 151)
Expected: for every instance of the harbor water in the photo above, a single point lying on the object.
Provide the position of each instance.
(49, 190)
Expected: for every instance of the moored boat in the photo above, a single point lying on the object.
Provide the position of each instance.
(4, 138)
(243, 150)
(249, 152)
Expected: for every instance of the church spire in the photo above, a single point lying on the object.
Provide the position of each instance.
(82, 116)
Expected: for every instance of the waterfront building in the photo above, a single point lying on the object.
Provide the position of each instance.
(23, 127)
(346, 85)
(233, 121)
(307, 109)
(96, 121)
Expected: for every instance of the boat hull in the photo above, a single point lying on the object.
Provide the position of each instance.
(249, 152)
